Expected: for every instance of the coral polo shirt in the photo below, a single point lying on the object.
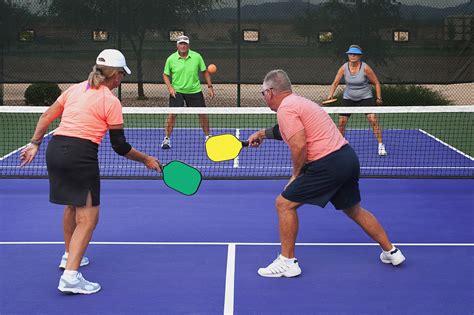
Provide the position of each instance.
(88, 112)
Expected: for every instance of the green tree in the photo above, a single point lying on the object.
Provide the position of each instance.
(360, 23)
(131, 18)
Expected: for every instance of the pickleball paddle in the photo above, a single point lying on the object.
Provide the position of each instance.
(182, 177)
(224, 147)
(329, 101)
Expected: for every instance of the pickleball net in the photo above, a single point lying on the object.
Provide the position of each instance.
(432, 141)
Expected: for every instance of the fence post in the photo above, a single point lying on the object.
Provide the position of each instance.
(238, 53)
(2, 80)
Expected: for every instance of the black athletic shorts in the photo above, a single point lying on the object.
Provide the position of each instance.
(364, 102)
(73, 171)
(333, 178)
(192, 100)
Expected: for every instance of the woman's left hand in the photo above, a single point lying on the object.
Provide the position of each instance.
(379, 101)
(28, 154)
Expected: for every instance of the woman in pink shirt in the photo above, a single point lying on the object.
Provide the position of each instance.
(87, 110)
(325, 169)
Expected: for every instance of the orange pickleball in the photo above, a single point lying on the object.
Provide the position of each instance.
(212, 68)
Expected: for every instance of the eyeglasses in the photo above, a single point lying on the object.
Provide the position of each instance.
(263, 92)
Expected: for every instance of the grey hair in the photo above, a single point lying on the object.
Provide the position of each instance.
(278, 80)
(100, 73)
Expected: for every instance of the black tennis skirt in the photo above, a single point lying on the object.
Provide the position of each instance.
(363, 102)
(73, 171)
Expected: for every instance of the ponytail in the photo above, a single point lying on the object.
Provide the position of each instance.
(96, 77)
(101, 73)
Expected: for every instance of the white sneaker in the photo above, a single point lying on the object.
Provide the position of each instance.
(395, 257)
(279, 268)
(166, 144)
(77, 284)
(62, 264)
(207, 137)
(382, 150)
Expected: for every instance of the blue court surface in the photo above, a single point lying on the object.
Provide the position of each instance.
(158, 252)
(413, 153)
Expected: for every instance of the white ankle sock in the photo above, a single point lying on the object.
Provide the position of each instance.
(70, 273)
(287, 261)
(389, 251)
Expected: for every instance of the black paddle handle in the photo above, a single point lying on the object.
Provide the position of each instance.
(246, 143)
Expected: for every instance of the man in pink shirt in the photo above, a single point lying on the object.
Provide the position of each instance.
(325, 169)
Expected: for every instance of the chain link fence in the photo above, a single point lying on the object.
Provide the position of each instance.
(426, 43)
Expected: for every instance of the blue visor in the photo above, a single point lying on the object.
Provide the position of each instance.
(354, 50)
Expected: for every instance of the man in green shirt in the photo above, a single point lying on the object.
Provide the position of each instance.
(183, 68)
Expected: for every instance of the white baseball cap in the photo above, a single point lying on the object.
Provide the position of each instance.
(183, 39)
(112, 58)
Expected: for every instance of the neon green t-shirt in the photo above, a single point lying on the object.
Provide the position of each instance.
(185, 72)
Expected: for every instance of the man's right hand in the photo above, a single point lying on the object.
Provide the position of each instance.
(256, 138)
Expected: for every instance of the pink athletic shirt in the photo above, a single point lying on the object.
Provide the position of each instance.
(88, 112)
(296, 113)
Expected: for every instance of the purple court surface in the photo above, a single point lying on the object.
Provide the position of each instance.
(158, 252)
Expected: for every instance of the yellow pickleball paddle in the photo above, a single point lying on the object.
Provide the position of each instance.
(224, 147)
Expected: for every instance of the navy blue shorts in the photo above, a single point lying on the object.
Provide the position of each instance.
(192, 100)
(333, 178)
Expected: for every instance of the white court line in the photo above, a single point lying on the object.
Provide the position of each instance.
(236, 160)
(49, 133)
(15, 151)
(449, 146)
(229, 281)
(231, 248)
(236, 243)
